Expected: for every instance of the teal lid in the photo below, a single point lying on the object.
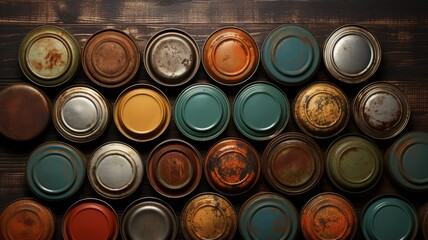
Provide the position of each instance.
(261, 111)
(290, 54)
(55, 171)
(202, 112)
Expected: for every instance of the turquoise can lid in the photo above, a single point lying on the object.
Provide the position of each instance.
(290, 54)
(55, 170)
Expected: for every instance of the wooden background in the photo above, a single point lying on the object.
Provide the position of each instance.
(400, 26)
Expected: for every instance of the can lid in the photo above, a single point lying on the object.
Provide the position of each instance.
(424, 221)
(25, 112)
(261, 111)
(290, 54)
(49, 56)
(172, 57)
(268, 216)
(232, 166)
(230, 56)
(202, 112)
(55, 170)
(26, 219)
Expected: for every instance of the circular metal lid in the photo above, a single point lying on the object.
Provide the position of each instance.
(26, 219)
(149, 218)
(352, 54)
(230, 56)
(424, 220)
(292, 163)
(55, 170)
(80, 113)
(49, 56)
(208, 216)
(115, 170)
(172, 57)
(381, 110)
(232, 166)
(261, 111)
(142, 112)
(321, 110)
(290, 54)
(202, 112)
(24, 113)
(111, 58)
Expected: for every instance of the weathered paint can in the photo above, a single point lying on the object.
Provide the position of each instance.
(232, 166)
(261, 111)
(142, 112)
(293, 163)
(423, 219)
(174, 168)
(321, 110)
(115, 170)
(25, 112)
(268, 216)
(381, 110)
(148, 218)
(202, 112)
(111, 58)
(352, 54)
(208, 216)
(171, 57)
(26, 219)
(230, 56)
(49, 56)
(290, 54)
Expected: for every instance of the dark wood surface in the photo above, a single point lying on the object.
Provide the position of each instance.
(400, 26)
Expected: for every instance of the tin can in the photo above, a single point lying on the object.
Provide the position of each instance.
(25, 112)
(49, 56)
(81, 114)
(26, 219)
(142, 112)
(232, 166)
(148, 218)
(111, 58)
(115, 170)
(268, 216)
(423, 220)
(174, 168)
(328, 216)
(321, 110)
(381, 110)
(293, 163)
(352, 54)
(208, 216)
(261, 111)
(290, 55)
(202, 112)
(230, 56)
(171, 57)
(55, 170)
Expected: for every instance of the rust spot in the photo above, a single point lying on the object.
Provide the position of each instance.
(53, 58)
(174, 170)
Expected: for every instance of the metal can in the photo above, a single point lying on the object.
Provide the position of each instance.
(171, 57)
(352, 54)
(142, 112)
(230, 56)
(232, 166)
(290, 55)
(174, 168)
(423, 220)
(26, 219)
(292, 163)
(55, 170)
(25, 112)
(148, 218)
(381, 110)
(111, 58)
(321, 110)
(115, 170)
(49, 56)
(261, 111)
